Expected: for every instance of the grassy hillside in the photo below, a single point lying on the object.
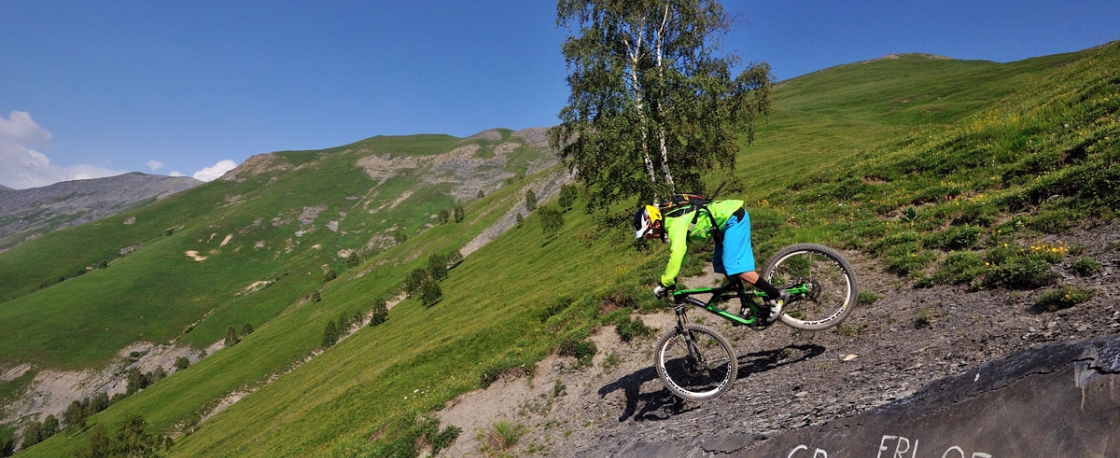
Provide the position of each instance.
(945, 170)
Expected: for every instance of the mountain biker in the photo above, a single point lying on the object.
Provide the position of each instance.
(733, 255)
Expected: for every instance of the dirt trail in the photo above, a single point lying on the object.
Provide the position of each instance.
(788, 379)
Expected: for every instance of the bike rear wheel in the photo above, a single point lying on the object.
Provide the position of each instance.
(832, 285)
(692, 378)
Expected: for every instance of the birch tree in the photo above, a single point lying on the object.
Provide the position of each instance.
(653, 103)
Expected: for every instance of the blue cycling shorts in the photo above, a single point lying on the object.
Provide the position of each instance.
(735, 255)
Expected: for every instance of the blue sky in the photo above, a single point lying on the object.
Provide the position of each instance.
(98, 88)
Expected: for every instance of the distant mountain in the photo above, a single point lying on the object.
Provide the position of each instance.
(29, 213)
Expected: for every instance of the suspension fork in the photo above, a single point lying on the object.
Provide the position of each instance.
(693, 351)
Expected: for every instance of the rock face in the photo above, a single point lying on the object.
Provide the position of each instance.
(1060, 399)
(29, 213)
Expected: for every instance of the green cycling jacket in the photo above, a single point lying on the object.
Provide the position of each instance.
(680, 228)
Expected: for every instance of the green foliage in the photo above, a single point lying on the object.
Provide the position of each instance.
(954, 238)
(502, 436)
(408, 435)
(246, 329)
(231, 336)
(628, 328)
(331, 334)
(1016, 267)
(430, 293)
(354, 259)
(437, 266)
(1062, 297)
(568, 195)
(454, 257)
(444, 215)
(415, 279)
(32, 434)
(182, 362)
(1085, 266)
(530, 201)
(552, 220)
(638, 126)
(460, 213)
(867, 298)
(380, 312)
(580, 349)
(329, 276)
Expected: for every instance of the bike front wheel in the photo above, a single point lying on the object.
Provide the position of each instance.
(831, 282)
(696, 364)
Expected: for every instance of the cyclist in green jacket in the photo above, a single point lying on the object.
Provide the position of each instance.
(733, 255)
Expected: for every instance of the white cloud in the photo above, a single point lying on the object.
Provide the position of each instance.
(215, 171)
(23, 166)
(20, 129)
(154, 165)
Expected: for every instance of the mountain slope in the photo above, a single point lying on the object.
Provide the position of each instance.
(30, 213)
(914, 192)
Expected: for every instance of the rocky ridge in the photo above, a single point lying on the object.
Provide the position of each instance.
(29, 213)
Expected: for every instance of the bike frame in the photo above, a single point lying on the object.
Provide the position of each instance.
(723, 294)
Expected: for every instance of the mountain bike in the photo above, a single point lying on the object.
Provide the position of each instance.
(696, 362)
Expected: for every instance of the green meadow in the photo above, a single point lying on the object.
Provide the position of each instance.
(945, 171)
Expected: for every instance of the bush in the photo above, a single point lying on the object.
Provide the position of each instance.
(331, 334)
(581, 350)
(330, 275)
(430, 293)
(959, 268)
(503, 435)
(530, 201)
(1062, 298)
(437, 266)
(552, 220)
(181, 363)
(380, 312)
(628, 328)
(247, 329)
(414, 280)
(954, 238)
(1084, 266)
(1016, 267)
(231, 336)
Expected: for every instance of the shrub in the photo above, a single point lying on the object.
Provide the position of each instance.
(414, 280)
(330, 275)
(231, 336)
(380, 312)
(1084, 266)
(552, 220)
(954, 238)
(866, 298)
(628, 328)
(437, 266)
(1019, 268)
(247, 329)
(181, 363)
(353, 260)
(503, 435)
(331, 334)
(958, 267)
(1052, 221)
(581, 350)
(1063, 297)
(497, 369)
(530, 201)
(430, 293)
(908, 258)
